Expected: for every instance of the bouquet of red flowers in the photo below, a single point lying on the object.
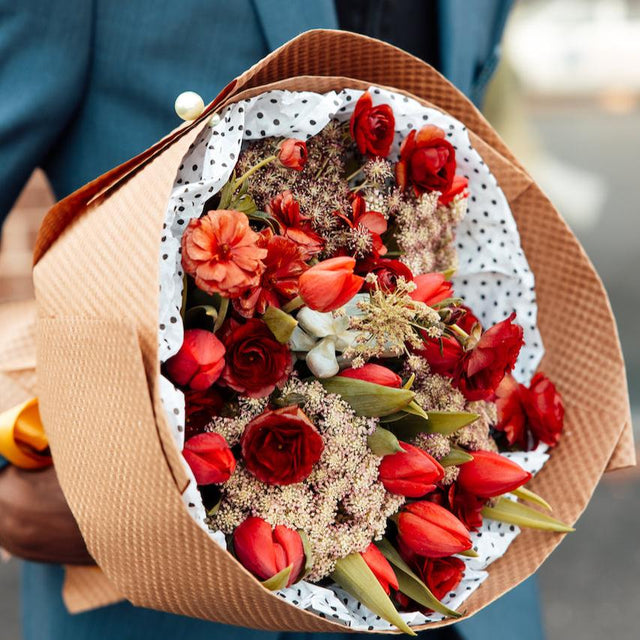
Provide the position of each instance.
(306, 393)
(346, 410)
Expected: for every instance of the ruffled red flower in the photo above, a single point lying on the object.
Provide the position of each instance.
(281, 446)
(279, 281)
(373, 221)
(200, 407)
(427, 161)
(458, 187)
(256, 363)
(293, 225)
(387, 272)
(220, 251)
(466, 506)
(530, 415)
(293, 154)
(372, 127)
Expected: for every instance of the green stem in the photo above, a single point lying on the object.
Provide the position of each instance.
(460, 332)
(222, 313)
(355, 173)
(250, 172)
(359, 187)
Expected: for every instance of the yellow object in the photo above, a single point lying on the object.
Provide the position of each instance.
(22, 439)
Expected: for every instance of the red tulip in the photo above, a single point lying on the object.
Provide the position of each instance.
(293, 154)
(265, 551)
(210, 458)
(430, 530)
(431, 288)
(374, 373)
(330, 284)
(411, 473)
(380, 567)
(489, 475)
(199, 362)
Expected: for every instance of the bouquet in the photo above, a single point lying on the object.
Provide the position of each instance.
(307, 392)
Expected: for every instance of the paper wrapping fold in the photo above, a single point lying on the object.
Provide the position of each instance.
(96, 280)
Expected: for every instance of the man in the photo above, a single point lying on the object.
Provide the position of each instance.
(90, 83)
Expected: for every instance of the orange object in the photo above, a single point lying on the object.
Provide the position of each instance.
(22, 439)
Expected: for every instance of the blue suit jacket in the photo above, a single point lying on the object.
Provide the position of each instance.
(92, 83)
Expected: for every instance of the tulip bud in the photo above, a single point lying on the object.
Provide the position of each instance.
(210, 458)
(381, 568)
(374, 373)
(411, 473)
(199, 362)
(489, 475)
(266, 552)
(293, 154)
(330, 284)
(430, 530)
(431, 288)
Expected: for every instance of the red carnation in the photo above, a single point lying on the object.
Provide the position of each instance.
(427, 161)
(279, 280)
(293, 225)
(199, 362)
(372, 127)
(293, 154)
(528, 416)
(256, 362)
(281, 446)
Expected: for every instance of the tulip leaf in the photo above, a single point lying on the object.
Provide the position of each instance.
(416, 410)
(382, 442)
(279, 581)
(455, 457)
(517, 513)
(409, 383)
(530, 496)
(354, 576)
(281, 324)
(367, 398)
(410, 584)
(308, 554)
(226, 193)
(469, 553)
(445, 422)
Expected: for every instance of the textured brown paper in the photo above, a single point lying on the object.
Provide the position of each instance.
(96, 279)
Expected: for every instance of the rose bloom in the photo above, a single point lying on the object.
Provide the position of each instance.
(372, 127)
(200, 407)
(281, 446)
(292, 154)
(293, 225)
(427, 161)
(220, 251)
(458, 187)
(387, 272)
(279, 280)
(529, 415)
(256, 363)
(199, 362)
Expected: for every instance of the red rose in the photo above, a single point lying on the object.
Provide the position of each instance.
(281, 446)
(387, 272)
(482, 369)
(372, 127)
(528, 416)
(199, 362)
(279, 280)
(266, 552)
(432, 288)
(441, 575)
(256, 363)
(427, 161)
(200, 407)
(210, 458)
(458, 187)
(293, 154)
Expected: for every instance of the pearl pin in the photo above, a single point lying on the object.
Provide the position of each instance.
(189, 105)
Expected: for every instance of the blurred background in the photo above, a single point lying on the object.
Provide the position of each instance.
(566, 98)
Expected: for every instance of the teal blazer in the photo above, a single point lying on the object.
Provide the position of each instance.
(86, 84)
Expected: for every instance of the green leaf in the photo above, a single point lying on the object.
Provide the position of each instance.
(382, 442)
(222, 313)
(308, 554)
(469, 553)
(455, 457)
(281, 324)
(415, 409)
(279, 581)
(244, 203)
(530, 496)
(517, 513)
(191, 315)
(410, 584)
(226, 193)
(445, 422)
(354, 576)
(369, 399)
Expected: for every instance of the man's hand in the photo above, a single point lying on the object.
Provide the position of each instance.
(35, 521)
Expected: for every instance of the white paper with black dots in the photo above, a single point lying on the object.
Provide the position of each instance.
(493, 278)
